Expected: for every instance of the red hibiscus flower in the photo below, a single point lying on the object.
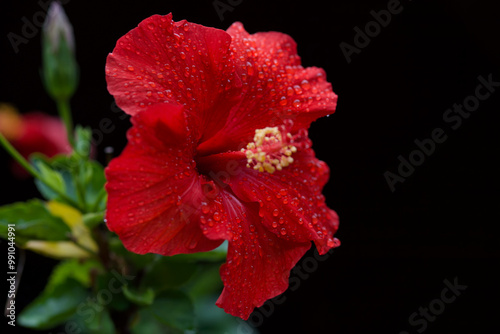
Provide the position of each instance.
(33, 132)
(219, 151)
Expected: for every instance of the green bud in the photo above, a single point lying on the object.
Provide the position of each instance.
(59, 68)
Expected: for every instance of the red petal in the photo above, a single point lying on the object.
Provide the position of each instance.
(154, 190)
(291, 203)
(258, 263)
(176, 62)
(275, 87)
(42, 133)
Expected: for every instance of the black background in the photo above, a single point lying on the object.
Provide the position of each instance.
(397, 247)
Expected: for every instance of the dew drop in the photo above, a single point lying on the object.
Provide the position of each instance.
(216, 216)
(305, 84)
(192, 244)
(297, 89)
(249, 68)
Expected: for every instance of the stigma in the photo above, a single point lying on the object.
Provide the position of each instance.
(271, 150)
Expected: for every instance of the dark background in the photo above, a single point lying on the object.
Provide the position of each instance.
(397, 247)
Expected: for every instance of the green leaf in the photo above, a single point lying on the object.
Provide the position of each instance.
(76, 269)
(42, 163)
(141, 298)
(164, 273)
(53, 306)
(205, 285)
(52, 177)
(174, 309)
(64, 292)
(32, 220)
(114, 282)
(82, 180)
(213, 320)
(92, 179)
(145, 322)
(101, 323)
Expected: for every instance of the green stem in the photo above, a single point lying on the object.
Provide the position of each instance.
(18, 157)
(65, 113)
(102, 194)
(26, 165)
(93, 219)
(79, 189)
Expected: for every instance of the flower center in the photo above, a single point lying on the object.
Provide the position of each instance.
(270, 150)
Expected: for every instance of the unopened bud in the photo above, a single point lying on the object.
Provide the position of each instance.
(60, 70)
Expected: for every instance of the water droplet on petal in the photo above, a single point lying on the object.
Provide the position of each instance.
(192, 244)
(216, 216)
(305, 84)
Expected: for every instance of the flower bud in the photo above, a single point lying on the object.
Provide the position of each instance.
(60, 70)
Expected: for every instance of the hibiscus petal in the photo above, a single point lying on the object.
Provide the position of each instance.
(177, 62)
(275, 87)
(291, 204)
(258, 263)
(42, 133)
(154, 190)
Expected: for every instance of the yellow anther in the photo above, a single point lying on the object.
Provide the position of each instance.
(261, 157)
(269, 168)
(284, 161)
(268, 151)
